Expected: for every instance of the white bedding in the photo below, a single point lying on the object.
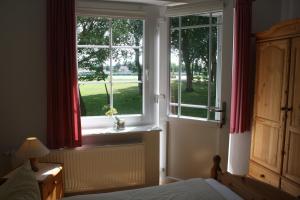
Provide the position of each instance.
(192, 189)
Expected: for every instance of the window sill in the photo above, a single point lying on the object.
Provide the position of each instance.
(127, 130)
(110, 136)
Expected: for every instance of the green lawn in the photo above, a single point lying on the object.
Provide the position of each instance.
(127, 99)
(198, 97)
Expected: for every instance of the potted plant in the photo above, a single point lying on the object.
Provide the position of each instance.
(118, 123)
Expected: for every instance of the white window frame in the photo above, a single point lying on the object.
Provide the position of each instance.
(218, 72)
(128, 12)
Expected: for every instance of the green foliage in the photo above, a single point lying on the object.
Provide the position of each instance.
(194, 45)
(128, 101)
(93, 62)
(95, 31)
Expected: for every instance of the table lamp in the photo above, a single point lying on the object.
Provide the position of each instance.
(32, 149)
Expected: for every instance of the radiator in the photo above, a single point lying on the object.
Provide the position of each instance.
(103, 167)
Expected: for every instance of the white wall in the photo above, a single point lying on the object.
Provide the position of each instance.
(23, 73)
(290, 9)
(265, 13)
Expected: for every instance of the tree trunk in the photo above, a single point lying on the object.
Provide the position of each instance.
(138, 66)
(107, 95)
(192, 66)
(214, 64)
(187, 61)
(189, 77)
(82, 105)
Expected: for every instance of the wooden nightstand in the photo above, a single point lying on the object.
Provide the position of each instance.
(50, 179)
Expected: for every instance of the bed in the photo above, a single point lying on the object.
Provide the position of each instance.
(192, 189)
(222, 186)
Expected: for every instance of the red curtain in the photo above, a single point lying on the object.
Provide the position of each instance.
(241, 89)
(63, 113)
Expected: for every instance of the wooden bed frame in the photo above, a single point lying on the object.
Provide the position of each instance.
(247, 188)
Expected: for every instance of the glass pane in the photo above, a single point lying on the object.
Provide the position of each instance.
(217, 18)
(94, 98)
(174, 66)
(174, 22)
(193, 20)
(92, 31)
(128, 98)
(174, 90)
(174, 110)
(214, 116)
(128, 32)
(127, 64)
(195, 57)
(93, 64)
(215, 65)
(194, 112)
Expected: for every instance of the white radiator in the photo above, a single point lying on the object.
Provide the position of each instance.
(101, 167)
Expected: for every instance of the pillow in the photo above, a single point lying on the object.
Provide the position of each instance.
(21, 185)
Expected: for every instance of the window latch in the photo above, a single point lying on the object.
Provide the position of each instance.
(159, 96)
(222, 111)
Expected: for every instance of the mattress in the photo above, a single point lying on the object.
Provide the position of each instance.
(192, 189)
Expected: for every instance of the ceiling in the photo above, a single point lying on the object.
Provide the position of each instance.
(160, 2)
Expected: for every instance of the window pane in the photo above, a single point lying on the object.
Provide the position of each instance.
(94, 98)
(195, 57)
(193, 20)
(93, 64)
(194, 112)
(215, 65)
(174, 22)
(92, 31)
(174, 90)
(128, 32)
(127, 64)
(128, 98)
(174, 110)
(174, 66)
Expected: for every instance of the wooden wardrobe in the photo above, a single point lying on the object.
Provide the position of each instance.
(275, 148)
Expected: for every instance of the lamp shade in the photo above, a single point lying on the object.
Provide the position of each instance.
(32, 148)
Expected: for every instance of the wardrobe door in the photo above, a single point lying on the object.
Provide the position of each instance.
(270, 97)
(291, 168)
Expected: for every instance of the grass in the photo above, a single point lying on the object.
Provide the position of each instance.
(198, 97)
(127, 99)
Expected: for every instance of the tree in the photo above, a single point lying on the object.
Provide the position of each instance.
(194, 46)
(93, 31)
(96, 31)
(130, 32)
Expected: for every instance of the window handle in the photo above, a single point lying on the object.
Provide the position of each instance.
(159, 96)
(222, 111)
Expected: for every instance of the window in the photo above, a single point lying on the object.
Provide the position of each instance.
(110, 65)
(195, 64)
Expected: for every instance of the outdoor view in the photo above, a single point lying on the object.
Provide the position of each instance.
(110, 65)
(195, 61)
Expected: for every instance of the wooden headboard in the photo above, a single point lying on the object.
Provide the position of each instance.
(248, 188)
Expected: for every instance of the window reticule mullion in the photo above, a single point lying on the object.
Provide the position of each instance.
(110, 64)
(209, 66)
(179, 71)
